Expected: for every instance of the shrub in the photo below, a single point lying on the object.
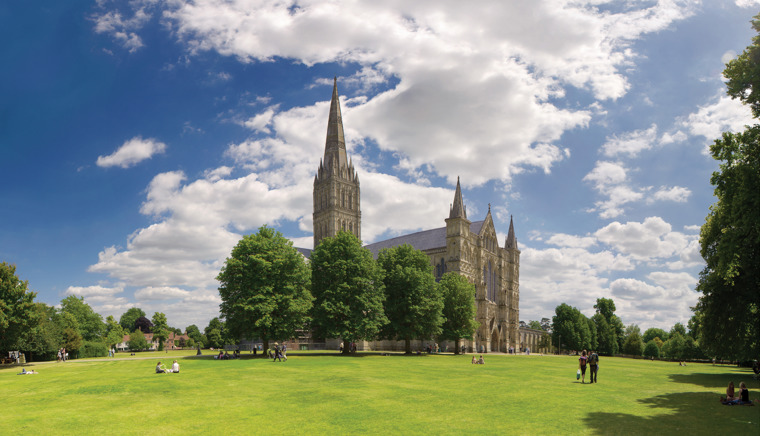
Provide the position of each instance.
(652, 350)
(93, 349)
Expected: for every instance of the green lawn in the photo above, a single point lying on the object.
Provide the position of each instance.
(372, 394)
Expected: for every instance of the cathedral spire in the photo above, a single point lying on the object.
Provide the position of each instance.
(458, 209)
(335, 143)
(511, 241)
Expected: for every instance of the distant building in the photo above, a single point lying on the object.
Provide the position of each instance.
(467, 248)
(172, 342)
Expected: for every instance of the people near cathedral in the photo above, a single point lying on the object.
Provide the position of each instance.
(593, 362)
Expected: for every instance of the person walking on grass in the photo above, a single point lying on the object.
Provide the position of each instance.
(582, 364)
(593, 362)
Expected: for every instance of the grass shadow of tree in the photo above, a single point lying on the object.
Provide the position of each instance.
(678, 411)
(718, 381)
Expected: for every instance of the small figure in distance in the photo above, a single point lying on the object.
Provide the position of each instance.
(160, 369)
(474, 360)
(25, 372)
(175, 367)
(481, 361)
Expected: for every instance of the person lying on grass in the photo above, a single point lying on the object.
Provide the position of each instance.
(25, 372)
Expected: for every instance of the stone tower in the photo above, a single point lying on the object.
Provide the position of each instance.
(336, 185)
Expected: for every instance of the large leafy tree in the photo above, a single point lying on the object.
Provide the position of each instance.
(160, 329)
(44, 337)
(195, 334)
(653, 332)
(91, 326)
(265, 288)
(214, 333)
(128, 318)
(348, 292)
(17, 311)
(458, 308)
(609, 327)
(570, 327)
(114, 332)
(413, 305)
(729, 307)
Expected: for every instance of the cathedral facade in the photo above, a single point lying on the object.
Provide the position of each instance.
(462, 246)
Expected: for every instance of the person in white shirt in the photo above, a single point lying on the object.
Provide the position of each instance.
(175, 367)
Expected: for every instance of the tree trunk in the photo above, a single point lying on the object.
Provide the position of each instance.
(346, 347)
(265, 348)
(407, 346)
(456, 346)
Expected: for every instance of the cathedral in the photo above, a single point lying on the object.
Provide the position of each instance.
(462, 246)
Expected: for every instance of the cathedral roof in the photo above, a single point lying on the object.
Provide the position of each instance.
(424, 240)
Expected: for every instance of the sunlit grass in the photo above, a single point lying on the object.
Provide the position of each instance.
(372, 394)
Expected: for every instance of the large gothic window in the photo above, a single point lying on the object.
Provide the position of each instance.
(440, 270)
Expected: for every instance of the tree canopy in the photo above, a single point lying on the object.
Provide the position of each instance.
(17, 310)
(458, 308)
(729, 307)
(265, 288)
(128, 318)
(90, 323)
(413, 304)
(348, 292)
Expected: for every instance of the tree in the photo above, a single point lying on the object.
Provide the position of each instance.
(610, 333)
(459, 308)
(195, 334)
(144, 324)
(679, 329)
(571, 327)
(91, 326)
(633, 344)
(651, 349)
(17, 311)
(729, 307)
(652, 333)
(128, 318)
(535, 325)
(348, 292)
(214, 333)
(72, 340)
(160, 329)
(412, 302)
(265, 288)
(44, 338)
(114, 332)
(137, 341)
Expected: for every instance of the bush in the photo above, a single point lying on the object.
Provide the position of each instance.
(93, 349)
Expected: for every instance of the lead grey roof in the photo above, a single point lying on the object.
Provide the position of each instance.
(424, 240)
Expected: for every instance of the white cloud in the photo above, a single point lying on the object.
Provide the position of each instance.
(160, 293)
(132, 152)
(677, 194)
(648, 240)
(123, 30)
(631, 143)
(711, 120)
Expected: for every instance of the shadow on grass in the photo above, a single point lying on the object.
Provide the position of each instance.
(698, 412)
(718, 381)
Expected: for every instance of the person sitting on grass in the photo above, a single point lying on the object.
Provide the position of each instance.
(481, 361)
(160, 369)
(743, 397)
(730, 394)
(175, 367)
(474, 360)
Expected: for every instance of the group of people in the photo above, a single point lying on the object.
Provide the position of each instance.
(278, 353)
(478, 361)
(63, 355)
(732, 399)
(161, 369)
(225, 355)
(591, 360)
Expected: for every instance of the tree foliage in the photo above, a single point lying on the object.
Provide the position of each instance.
(144, 324)
(609, 327)
(137, 341)
(652, 333)
(571, 327)
(17, 311)
(90, 324)
(651, 349)
(265, 288)
(160, 329)
(413, 304)
(43, 339)
(128, 318)
(458, 308)
(214, 333)
(729, 307)
(348, 291)
(195, 334)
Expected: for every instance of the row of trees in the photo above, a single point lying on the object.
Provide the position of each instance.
(41, 330)
(605, 332)
(269, 292)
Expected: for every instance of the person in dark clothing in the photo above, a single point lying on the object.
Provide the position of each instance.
(593, 362)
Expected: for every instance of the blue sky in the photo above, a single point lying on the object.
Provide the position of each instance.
(139, 140)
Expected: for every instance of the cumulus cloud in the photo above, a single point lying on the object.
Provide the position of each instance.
(122, 29)
(651, 239)
(711, 120)
(160, 293)
(132, 152)
(630, 143)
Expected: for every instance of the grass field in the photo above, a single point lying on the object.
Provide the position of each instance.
(372, 394)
